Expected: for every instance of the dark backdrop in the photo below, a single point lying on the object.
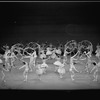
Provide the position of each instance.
(49, 21)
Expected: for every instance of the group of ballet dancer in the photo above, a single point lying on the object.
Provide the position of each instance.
(45, 51)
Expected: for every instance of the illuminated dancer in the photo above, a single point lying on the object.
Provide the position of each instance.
(71, 49)
(30, 51)
(41, 68)
(9, 55)
(60, 66)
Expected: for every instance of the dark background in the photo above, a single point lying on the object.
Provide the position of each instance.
(49, 21)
